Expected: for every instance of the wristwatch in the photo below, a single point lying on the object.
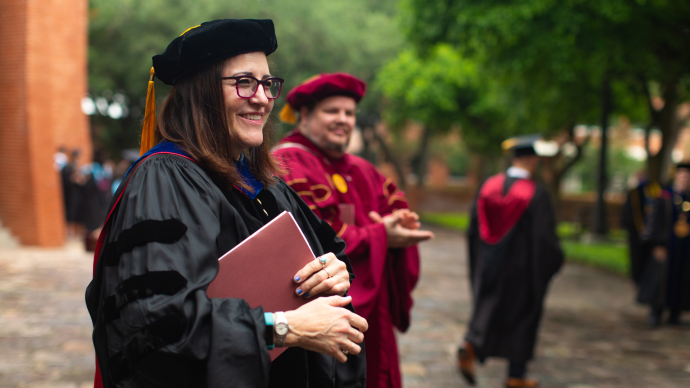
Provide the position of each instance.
(281, 328)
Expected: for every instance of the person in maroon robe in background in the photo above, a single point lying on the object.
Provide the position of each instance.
(514, 252)
(365, 209)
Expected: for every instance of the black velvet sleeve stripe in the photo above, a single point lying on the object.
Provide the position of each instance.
(144, 232)
(110, 256)
(142, 286)
(110, 309)
(163, 332)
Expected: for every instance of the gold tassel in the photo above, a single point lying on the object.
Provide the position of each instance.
(287, 115)
(149, 131)
(507, 144)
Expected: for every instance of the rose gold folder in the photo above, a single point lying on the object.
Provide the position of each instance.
(261, 268)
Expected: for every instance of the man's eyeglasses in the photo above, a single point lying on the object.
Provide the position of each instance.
(247, 86)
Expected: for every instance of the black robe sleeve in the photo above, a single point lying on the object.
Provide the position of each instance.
(653, 277)
(546, 246)
(472, 241)
(627, 216)
(657, 230)
(636, 248)
(154, 325)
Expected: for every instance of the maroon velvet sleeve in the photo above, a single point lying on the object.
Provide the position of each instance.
(403, 265)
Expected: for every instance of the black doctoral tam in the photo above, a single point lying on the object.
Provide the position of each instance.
(212, 41)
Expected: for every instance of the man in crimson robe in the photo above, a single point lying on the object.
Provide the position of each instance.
(514, 252)
(364, 208)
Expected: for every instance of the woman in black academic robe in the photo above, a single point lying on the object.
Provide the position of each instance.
(207, 186)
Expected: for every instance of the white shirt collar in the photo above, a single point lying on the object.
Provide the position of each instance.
(518, 172)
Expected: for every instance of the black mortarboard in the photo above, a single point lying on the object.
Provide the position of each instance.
(213, 41)
(520, 145)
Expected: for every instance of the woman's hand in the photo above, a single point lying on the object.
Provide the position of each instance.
(323, 326)
(326, 275)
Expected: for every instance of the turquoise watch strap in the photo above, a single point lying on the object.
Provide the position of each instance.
(268, 317)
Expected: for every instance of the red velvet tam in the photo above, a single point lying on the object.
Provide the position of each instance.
(319, 87)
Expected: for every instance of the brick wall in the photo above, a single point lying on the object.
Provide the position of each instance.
(42, 79)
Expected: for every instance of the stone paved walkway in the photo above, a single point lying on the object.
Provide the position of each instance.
(592, 333)
(45, 330)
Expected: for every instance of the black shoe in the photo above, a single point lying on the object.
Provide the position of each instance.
(466, 362)
(675, 320)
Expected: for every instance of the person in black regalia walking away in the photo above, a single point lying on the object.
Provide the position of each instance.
(635, 213)
(665, 282)
(71, 192)
(95, 196)
(514, 252)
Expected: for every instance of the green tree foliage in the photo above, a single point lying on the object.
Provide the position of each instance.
(430, 90)
(355, 36)
(439, 90)
(540, 78)
(561, 54)
(442, 89)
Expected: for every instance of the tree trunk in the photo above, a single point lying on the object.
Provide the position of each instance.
(600, 226)
(558, 174)
(388, 157)
(419, 160)
(668, 125)
(477, 170)
(647, 131)
(367, 152)
(653, 121)
(551, 179)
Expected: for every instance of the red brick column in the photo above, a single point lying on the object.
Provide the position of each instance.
(42, 79)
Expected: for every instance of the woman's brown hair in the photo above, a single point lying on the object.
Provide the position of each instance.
(194, 117)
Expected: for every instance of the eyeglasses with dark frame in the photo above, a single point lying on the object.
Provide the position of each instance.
(247, 86)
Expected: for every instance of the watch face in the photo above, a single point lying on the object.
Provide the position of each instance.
(281, 328)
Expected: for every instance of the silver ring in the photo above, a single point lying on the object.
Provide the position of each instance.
(323, 260)
(329, 275)
(345, 351)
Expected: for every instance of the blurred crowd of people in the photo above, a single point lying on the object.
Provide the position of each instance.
(656, 219)
(88, 189)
